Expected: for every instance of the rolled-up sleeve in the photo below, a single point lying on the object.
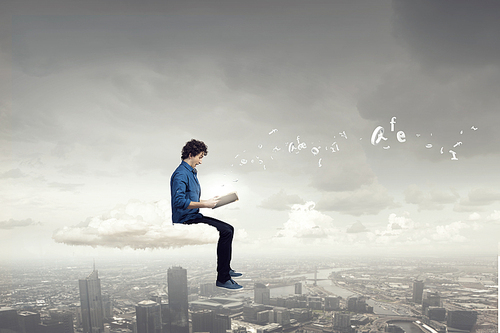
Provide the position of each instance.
(179, 188)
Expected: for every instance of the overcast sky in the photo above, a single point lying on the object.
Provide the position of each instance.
(346, 127)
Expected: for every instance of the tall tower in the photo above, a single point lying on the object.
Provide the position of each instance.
(261, 294)
(298, 288)
(91, 304)
(178, 300)
(418, 290)
(148, 315)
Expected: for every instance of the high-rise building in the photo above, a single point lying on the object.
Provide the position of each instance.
(148, 317)
(207, 289)
(178, 299)
(430, 298)
(463, 320)
(107, 304)
(261, 294)
(209, 321)
(8, 318)
(28, 321)
(64, 319)
(222, 323)
(351, 303)
(332, 303)
(91, 304)
(341, 320)
(435, 313)
(203, 320)
(298, 288)
(418, 289)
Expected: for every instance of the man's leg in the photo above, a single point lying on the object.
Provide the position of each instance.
(224, 245)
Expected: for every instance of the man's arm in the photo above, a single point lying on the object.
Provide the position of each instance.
(179, 186)
(210, 203)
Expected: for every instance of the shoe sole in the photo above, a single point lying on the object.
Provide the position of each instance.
(231, 289)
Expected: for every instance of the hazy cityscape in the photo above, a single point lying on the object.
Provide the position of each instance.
(295, 295)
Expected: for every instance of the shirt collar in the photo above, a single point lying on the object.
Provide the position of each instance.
(190, 168)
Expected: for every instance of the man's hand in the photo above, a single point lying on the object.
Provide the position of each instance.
(210, 203)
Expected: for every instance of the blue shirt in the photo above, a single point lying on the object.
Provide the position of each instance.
(184, 188)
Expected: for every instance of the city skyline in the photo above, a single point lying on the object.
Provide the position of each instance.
(346, 128)
(370, 293)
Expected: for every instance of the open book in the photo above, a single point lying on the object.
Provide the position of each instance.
(226, 199)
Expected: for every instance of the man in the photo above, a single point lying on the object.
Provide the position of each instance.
(185, 193)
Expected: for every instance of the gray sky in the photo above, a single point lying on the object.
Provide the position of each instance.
(97, 100)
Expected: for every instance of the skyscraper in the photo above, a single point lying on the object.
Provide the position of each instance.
(298, 288)
(332, 303)
(418, 290)
(463, 320)
(64, 318)
(148, 315)
(91, 304)
(261, 294)
(28, 321)
(341, 320)
(178, 300)
(203, 320)
(8, 318)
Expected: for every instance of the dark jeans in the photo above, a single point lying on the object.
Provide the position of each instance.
(224, 245)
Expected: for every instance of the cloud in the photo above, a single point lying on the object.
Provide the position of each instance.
(397, 225)
(403, 230)
(356, 228)
(478, 199)
(474, 217)
(65, 187)
(10, 224)
(457, 33)
(137, 225)
(306, 222)
(433, 200)
(450, 232)
(347, 174)
(13, 173)
(495, 216)
(370, 199)
(281, 201)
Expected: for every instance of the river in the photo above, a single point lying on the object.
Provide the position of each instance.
(324, 282)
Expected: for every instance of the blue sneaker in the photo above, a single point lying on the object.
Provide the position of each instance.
(229, 284)
(232, 273)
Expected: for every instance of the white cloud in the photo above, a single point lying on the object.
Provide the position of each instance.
(306, 222)
(138, 225)
(356, 227)
(495, 216)
(474, 216)
(450, 232)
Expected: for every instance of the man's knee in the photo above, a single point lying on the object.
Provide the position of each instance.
(227, 230)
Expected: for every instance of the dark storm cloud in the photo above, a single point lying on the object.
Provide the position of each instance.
(450, 33)
(447, 81)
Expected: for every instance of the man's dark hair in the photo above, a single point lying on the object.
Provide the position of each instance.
(193, 148)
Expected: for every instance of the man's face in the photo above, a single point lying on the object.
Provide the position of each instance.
(197, 159)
